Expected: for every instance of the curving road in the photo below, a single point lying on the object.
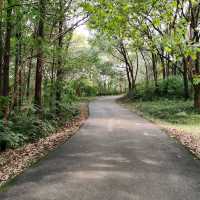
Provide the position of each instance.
(116, 155)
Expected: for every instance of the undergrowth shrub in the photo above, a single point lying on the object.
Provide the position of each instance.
(9, 138)
(170, 88)
(4, 101)
(26, 126)
(84, 88)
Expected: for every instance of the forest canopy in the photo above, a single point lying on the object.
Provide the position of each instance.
(146, 48)
(164, 34)
(46, 65)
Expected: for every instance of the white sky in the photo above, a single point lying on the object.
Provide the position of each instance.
(83, 30)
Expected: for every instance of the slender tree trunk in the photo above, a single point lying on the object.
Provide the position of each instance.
(39, 65)
(185, 79)
(132, 77)
(129, 80)
(194, 65)
(163, 64)
(17, 68)
(6, 61)
(137, 69)
(59, 74)
(20, 88)
(29, 75)
(52, 83)
(168, 67)
(155, 72)
(197, 86)
(60, 71)
(129, 68)
(146, 69)
(6, 58)
(163, 69)
(1, 53)
(132, 80)
(174, 69)
(197, 97)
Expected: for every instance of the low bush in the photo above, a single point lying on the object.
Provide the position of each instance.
(9, 138)
(27, 126)
(170, 88)
(173, 111)
(84, 88)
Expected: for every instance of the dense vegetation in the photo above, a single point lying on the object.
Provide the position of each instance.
(154, 41)
(45, 66)
(157, 45)
(150, 48)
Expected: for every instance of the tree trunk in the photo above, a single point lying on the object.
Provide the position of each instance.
(1, 54)
(6, 58)
(20, 89)
(168, 67)
(29, 76)
(185, 79)
(163, 64)
(17, 67)
(174, 69)
(193, 65)
(197, 86)
(52, 83)
(155, 72)
(128, 78)
(129, 68)
(197, 97)
(59, 74)
(39, 65)
(146, 69)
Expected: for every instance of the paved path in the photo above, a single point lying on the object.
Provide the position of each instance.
(115, 156)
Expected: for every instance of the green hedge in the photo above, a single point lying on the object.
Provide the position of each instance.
(170, 88)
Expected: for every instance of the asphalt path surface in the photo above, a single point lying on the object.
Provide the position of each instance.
(116, 155)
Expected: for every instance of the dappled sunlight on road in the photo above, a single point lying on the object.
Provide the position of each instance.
(116, 155)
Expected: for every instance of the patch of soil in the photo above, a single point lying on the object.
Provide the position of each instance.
(15, 161)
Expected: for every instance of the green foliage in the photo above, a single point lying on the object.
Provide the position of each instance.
(27, 127)
(173, 111)
(170, 88)
(31, 127)
(84, 88)
(196, 79)
(69, 93)
(4, 101)
(63, 113)
(8, 138)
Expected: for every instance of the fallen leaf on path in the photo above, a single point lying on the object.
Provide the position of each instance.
(13, 162)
